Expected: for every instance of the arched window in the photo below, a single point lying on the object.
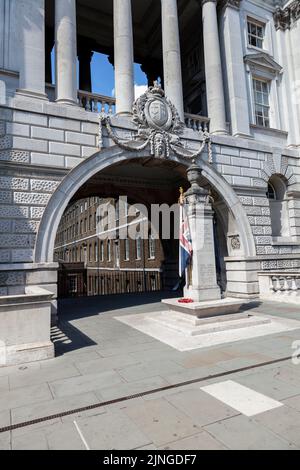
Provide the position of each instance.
(126, 249)
(151, 242)
(271, 194)
(138, 247)
(96, 251)
(278, 207)
(101, 251)
(109, 250)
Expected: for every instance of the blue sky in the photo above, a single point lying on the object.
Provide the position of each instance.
(103, 74)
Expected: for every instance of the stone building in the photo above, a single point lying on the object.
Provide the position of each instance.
(110, 264)
(230, 70)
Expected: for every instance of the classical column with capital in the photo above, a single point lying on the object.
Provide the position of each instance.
(232, 40)
(213, 68)
(66, 51)
(123, 56)
(171, 54)
(31, 50)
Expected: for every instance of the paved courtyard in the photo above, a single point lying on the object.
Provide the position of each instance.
(246, 404)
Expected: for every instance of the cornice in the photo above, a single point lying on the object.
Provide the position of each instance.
(229, 3)
(284, 18)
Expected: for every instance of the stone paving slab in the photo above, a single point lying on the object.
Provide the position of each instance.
(58, 436)
(161, 421)
(284, 422)
(293, 402)
(108, 363)
(5, 441)
(193, 374)
(84, 383)
(40, 376)
(24, 396)
(268, 384)
(39, 410)
(201, 441)
(149, 369)
(241, 433)
(131, 388)
(4, 384)
(4, 418)
(200, 407)
(112, 430)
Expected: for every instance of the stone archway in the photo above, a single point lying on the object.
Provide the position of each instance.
(101, 160)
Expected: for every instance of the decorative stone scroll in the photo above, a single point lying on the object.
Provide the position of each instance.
(284, 18)
(158, 126)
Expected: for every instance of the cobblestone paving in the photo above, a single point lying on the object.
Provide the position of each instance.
(99, 359)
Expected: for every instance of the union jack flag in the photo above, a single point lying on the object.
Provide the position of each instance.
(185, 240)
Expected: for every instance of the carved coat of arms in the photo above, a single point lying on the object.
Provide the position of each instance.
(157, 120)
(158, 125)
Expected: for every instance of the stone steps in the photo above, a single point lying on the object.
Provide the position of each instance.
(190, 326)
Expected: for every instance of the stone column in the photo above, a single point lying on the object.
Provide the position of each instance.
(171, 55)
(66, 51)
(123, 56)
(201, 277)
(213, 68)
(232, 42)
(31, 47)
(294, 34)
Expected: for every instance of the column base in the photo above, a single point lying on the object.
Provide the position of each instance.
(202, 294)
(31, 352)
(219, 132)
(243, 136)
(32, 94)
(67, 102)
(25, 327)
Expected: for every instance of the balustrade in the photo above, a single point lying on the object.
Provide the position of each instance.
(282, 286)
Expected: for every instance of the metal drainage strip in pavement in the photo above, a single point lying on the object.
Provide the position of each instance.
(139, 395)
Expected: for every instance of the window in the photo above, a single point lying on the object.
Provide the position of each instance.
(138, 246)
(101, 251)
(271, 193)
(109, 250)
(126, 249)
(72, 284)
(90, 253)
(151, 242)
(278, 203)
(96, 252)
(261, 91)
(256, 33)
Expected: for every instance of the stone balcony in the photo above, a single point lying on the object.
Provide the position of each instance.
(97, 103)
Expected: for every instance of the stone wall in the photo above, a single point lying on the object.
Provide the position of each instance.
(40, 143)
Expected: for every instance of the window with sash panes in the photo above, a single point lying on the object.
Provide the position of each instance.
(261, 93)
(256, 33)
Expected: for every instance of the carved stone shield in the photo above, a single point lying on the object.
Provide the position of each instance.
(158, 113)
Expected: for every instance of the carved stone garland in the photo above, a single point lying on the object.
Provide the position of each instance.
(158, 125)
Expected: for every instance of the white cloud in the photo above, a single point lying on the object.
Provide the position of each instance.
(139, 90)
